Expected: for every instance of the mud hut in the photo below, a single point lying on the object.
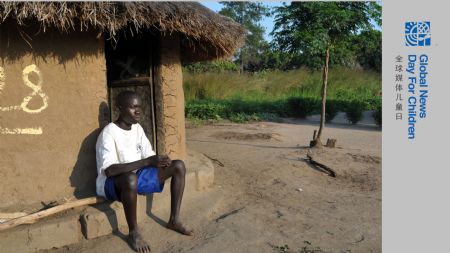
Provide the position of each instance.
(61, 65)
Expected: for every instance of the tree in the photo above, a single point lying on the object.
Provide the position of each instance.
(313, 29)
(249, 14)
(368, 49)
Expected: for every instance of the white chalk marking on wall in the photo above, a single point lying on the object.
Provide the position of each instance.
(34, 131)
(36, 90)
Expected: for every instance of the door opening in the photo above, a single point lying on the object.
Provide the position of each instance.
(130, 67)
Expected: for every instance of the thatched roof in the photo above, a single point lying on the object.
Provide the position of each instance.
(206, 34)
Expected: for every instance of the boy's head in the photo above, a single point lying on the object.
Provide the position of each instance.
(130, 107)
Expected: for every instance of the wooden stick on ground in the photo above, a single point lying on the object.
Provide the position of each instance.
(8, 216)
(326, 169)
(4, 217)
(32, 218)
(228, 214)
(215, 160)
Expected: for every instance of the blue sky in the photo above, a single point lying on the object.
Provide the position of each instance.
(266, 22)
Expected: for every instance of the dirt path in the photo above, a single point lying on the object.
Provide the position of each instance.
(282, 200)
(266, 198)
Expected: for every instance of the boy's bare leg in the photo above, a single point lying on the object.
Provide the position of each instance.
(177, 172)
(126, 187)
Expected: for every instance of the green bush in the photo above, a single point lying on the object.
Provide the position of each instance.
(241, 106)
(354, 110)
(377, 115)
(243, 117)
(373, 103)
(239, 110)
(205, 110)
(331, 110)
(302, 107)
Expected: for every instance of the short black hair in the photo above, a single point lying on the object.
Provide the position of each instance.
(125, 96)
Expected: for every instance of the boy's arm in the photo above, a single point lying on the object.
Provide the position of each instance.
(159, 161)
(120, 168)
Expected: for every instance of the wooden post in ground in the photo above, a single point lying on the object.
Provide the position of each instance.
(331, 143)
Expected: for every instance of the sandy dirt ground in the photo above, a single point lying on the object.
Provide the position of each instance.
(267, 198)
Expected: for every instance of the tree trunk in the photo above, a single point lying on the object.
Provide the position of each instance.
(242, 5)
(242, 62)
(317, 141)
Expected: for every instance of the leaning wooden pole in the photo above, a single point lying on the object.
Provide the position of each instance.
(32, 218)
(317, 141)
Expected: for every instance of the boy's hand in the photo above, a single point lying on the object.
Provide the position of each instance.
(160, 161)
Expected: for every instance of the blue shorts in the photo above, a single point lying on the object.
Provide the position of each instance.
(147, 183)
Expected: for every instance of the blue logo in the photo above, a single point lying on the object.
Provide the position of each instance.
(417, 34)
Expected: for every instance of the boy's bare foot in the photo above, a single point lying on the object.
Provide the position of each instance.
(138, 243)
(178, 227)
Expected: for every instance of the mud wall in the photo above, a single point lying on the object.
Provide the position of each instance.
(52, 103)
(169, 99)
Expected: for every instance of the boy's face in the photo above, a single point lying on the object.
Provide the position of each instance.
(131, 111)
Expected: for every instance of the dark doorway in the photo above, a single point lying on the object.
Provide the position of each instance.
(130, 67)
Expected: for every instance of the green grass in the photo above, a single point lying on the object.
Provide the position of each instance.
(295, 93)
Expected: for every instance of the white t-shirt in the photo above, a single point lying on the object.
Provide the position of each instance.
(116, 145)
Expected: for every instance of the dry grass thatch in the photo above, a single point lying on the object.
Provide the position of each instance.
(207, 35)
